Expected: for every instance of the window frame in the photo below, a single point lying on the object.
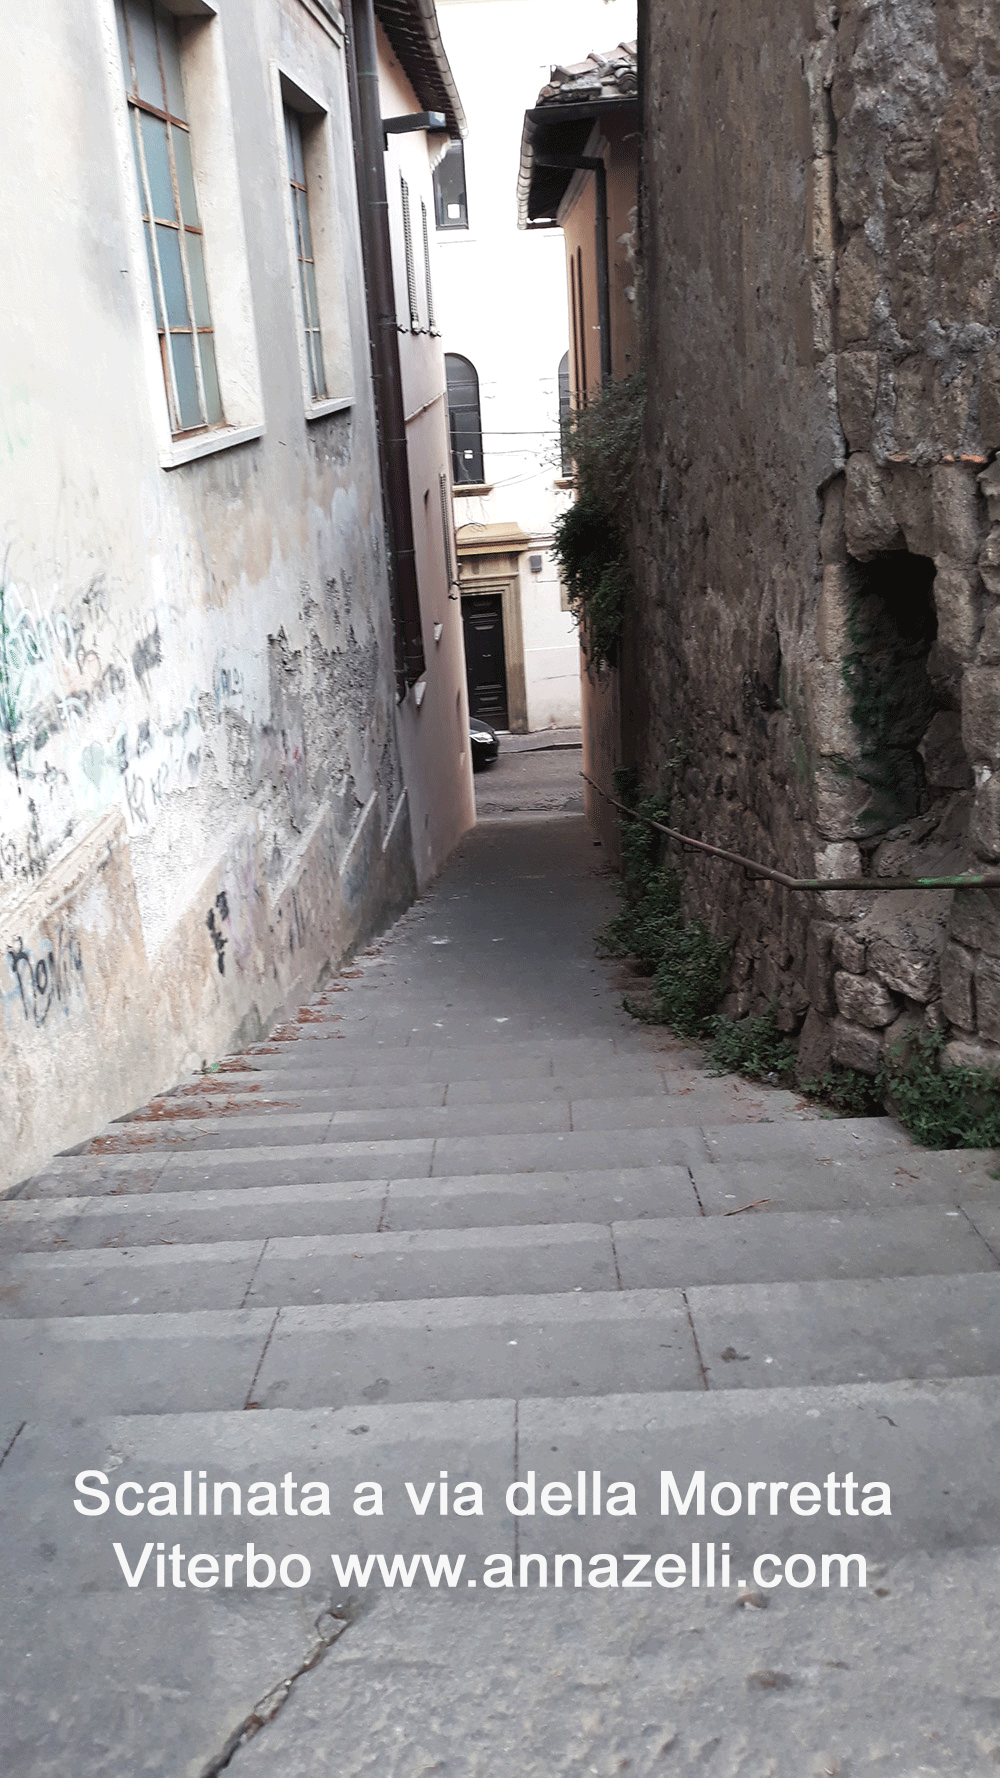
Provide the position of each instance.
(309, 315)
(320, 126)
(448, 225)
(185, 205)
(458, 460)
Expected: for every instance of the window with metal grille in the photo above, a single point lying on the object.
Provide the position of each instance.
(464, 419)
(306, 257)
(449, 560)
(151, 57)
(411, 273)
(431, 319)
(451, 208)
(566, 455)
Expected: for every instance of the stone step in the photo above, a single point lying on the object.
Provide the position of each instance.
(116, 1170)
(281, 1091)
(277, 1126)
(903, 1433)
(509, 1060)
(426, 1263)
(881, 1181)
(729, 1339)
(259, 1212)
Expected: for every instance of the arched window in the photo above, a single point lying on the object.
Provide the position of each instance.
(464, 419)
(564, 406)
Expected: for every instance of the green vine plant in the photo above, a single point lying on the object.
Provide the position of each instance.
(591, 538)
(687, 965)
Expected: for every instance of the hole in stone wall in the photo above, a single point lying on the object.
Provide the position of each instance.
(893, 697)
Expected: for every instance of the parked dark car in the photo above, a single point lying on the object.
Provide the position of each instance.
(485, 743)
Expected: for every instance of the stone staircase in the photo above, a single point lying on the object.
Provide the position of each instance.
(462, 1214)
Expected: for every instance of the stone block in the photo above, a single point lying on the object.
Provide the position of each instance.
(945, 761)
(901, 1038)
(914, 381)
(989, 406)
(905, 970)
(989, 482)
(864, 1000)
(958, 35)
(859, 282)
(958, 993)
(913, 507)
(986, 819)
(828, 703)
(975, 920)
(958, 146)
(910, 175)
(959, 518)
(988, 652)
(869, 521)
(988, 998)
(848, 952)
(961, 607)
(989, 562)
(815, 1048)
(819, 967)
(840, 858)
(961, 1053)
(833, 613)
(981, 715)
(832, 546)
(857, 392)
(855, 1047)
(841, 802)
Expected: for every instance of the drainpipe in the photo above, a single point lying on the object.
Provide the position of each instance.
(595, 165)
(369, 150)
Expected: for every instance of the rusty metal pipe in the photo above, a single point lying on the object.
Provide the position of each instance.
(812, 885)
(369, 151)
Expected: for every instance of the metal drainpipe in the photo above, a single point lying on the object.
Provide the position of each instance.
(594, 164)
(369, 158)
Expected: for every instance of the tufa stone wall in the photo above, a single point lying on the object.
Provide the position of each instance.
(815, 655)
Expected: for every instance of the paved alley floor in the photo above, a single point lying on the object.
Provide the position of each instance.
(464, 1381)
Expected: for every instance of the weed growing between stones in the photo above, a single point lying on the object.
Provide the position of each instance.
(591, 537)
(752, 1046)
(941, 1107)
(687, 964)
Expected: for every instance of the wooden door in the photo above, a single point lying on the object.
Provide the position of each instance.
(485, 659)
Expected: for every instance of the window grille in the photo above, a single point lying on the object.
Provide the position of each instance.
(411, 274)
(431, 318)
(306, 257)
(446, 527)
(151, 58)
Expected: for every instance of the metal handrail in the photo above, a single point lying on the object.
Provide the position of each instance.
(815, 885)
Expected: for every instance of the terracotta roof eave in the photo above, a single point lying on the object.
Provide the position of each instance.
(548, 115)
(413, 31)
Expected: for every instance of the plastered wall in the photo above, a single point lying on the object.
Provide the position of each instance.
(201, 798)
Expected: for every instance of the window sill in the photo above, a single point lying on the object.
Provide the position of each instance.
(320, 409)
(205, 444)
(471, 490)
(564, 481)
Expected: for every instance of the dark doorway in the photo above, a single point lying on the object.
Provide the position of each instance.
(485, 660)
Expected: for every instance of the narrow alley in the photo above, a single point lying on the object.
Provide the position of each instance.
(463, 1220)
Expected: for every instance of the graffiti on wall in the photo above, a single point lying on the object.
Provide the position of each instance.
(47, 975)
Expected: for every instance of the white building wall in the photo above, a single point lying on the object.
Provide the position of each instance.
(434, 717)
(503, 302)
(201, 793)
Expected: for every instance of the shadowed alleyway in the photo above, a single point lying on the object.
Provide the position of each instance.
(463, 1215)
